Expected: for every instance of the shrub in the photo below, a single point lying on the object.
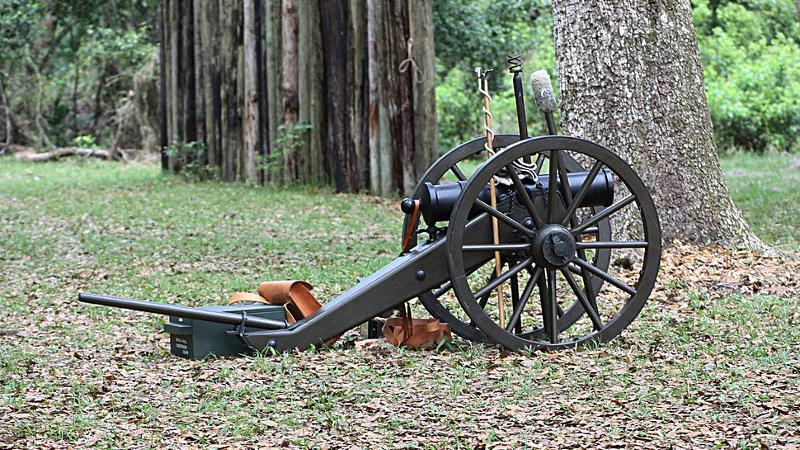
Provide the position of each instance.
(751, 57)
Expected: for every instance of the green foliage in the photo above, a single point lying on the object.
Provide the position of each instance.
(291, 136)
(457, 109)
(84, 141)
(751, 54)
(192, 157)
(66, 66)
(483, 33)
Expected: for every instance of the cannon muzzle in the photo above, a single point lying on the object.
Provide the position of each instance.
(437, 201)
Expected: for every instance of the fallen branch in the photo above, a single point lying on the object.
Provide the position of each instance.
(13, 149)
(65, 151)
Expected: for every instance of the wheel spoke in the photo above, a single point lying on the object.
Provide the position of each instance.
(602, 214)
(442, 289)
(564, 185)
(605, 276)
(559, 310)
(611, 244)
(549, 307)
(571, 218)
(503, 277)
(495, 247)
(539, 162)
(458, 173)
(590, 309)
(587, 183)
(587, 281)
(515, 297)
(485, 297)
(523, 300)
(552, 188)
(526, 199)
(504, 218)
(446, 286)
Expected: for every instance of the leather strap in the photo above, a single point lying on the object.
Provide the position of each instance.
(249, 297)
(280, 292)
(416, 333)
(412, 226)
(301, 302)
(294, 295)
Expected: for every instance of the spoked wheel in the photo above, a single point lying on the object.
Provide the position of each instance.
(546, 252)
(441, 303)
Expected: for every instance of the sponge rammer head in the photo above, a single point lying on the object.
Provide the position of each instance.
(543, 91)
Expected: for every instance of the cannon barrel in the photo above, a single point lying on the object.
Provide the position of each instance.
(437, 201)
(182, 311)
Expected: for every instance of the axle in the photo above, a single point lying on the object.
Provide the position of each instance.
(437, 201)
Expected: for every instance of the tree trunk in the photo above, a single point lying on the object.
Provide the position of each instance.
(630, 79)
(334, 49)
(380, 147)
(162, 83)
(274, 100)
(311, 101)
(210, 82)
(289, 80)
(421, 23)
(251, 113)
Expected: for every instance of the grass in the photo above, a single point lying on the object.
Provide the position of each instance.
(698, 368)
(767, 189)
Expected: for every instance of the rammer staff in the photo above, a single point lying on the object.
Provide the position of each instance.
(483, 88)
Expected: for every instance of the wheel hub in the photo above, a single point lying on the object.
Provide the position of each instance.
(553, 246)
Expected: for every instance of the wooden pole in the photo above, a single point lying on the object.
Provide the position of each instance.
(483, 85)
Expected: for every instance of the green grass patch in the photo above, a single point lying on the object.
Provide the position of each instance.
(767, 189)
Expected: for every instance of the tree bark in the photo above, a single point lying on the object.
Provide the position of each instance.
(380, 154)
(289, 80)
(334, 28)
(199, 80)
(274, 98)
(631, 79)
(421, 24)
(310, 94)
(356, 81)
(251, 113)
(162, 83)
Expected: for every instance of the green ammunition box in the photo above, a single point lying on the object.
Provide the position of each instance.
(197, 339)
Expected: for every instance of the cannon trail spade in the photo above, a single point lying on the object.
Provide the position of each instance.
(522, 249)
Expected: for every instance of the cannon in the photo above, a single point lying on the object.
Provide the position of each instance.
(535, 223)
